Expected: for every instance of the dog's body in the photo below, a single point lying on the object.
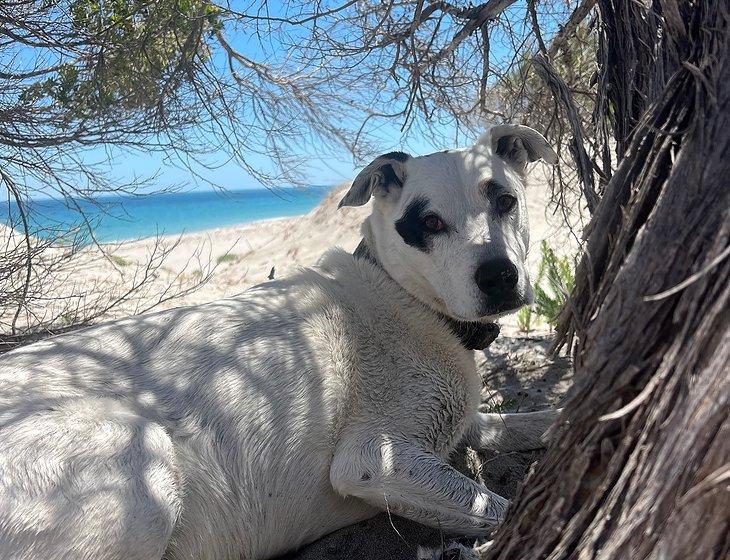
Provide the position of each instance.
(247, 427)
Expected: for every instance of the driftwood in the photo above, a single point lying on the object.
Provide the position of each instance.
(641, 462)
(561, 93)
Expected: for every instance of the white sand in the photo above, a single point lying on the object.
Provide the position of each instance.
(232, 259)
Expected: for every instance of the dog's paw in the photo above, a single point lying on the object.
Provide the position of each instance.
(549, 434)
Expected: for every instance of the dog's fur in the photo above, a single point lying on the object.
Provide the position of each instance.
(247, 427)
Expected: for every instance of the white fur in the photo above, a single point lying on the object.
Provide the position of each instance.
(243, 428)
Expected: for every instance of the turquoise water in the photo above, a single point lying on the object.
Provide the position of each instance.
(120, 218)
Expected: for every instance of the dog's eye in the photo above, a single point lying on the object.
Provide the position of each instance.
(505, 203)
(434, 224)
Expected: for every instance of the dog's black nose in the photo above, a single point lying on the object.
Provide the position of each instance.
(496, 277)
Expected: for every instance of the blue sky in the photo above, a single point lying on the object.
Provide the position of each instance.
(324, 168)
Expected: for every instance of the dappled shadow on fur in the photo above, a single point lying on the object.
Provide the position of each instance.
(48, 378)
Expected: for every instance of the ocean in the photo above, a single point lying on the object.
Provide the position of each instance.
(122, 218)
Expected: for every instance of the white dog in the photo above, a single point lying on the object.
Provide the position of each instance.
(250, 426)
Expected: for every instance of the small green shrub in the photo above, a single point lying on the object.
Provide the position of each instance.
(525, 319)
(555, 280)
(66, 319)
(227, 258)
(119, 261)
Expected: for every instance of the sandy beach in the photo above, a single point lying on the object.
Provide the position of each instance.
(199, 267)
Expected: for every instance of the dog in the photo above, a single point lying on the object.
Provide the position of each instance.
(248, 427)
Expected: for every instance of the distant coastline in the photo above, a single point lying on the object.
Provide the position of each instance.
(118, 219)
(238, 228)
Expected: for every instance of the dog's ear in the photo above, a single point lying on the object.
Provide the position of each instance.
(519, 145)
(385, 173)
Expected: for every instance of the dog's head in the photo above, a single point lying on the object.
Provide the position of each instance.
(451, 227)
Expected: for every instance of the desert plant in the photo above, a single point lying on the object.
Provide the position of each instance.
(227, 258)
(507, 404)
(555, 279)
(119, 261)
(66, 319)
(525, 318)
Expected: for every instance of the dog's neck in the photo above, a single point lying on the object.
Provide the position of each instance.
(473, 335)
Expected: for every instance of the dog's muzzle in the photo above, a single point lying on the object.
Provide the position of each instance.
(498, 279)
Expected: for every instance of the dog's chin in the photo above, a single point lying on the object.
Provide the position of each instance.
(488, 315)
(493, 311)
(488, 312)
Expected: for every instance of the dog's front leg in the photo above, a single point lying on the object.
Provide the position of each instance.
(520, 431)
(401, 477)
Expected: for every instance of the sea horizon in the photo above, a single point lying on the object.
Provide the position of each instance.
(118, 218)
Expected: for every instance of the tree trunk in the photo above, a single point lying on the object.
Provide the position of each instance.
(640, 465)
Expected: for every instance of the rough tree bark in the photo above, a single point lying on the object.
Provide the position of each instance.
(640, 465)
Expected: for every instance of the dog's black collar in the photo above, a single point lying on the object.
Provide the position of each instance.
(473, 335)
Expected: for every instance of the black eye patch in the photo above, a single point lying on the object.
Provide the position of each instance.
(410, 226)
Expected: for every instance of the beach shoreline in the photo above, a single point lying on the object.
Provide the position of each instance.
(216, 230)
(117, 219)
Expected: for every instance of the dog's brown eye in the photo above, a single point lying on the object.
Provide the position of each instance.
(505, 203)
(434, 224)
